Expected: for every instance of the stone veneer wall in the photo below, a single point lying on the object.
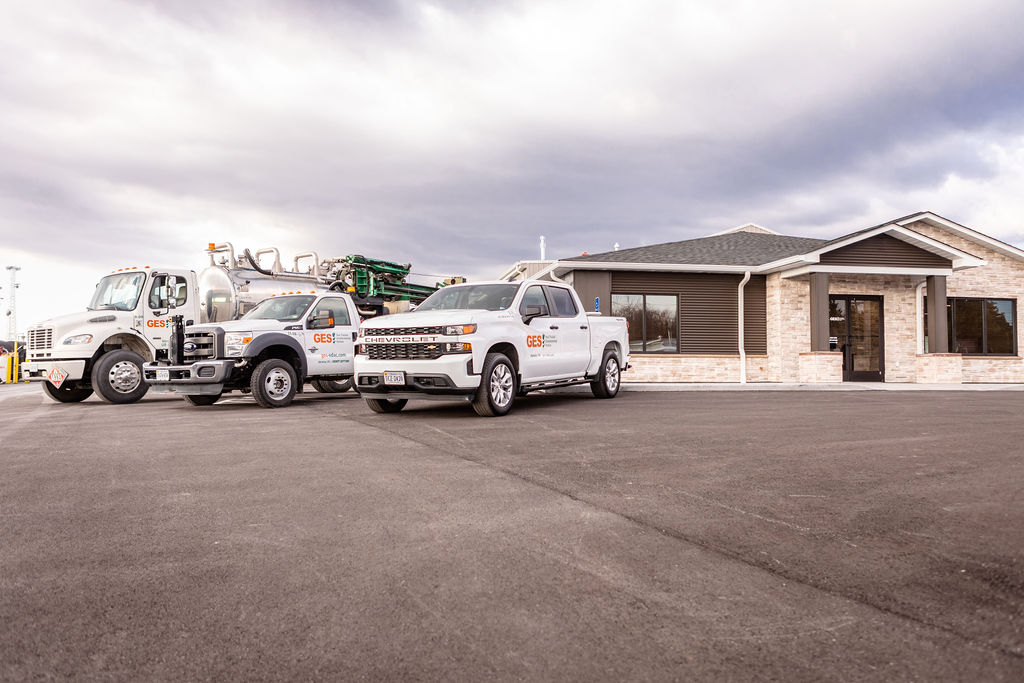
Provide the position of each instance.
(694, 368)
(1002, 277)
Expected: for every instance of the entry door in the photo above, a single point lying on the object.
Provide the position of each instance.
(855, 328)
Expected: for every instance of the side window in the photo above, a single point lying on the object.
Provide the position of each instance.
(562, 303)
(337, 309)
(534, 296)
(160, 281)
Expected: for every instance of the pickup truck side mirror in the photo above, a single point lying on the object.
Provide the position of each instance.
(534, 312)
(321, 320)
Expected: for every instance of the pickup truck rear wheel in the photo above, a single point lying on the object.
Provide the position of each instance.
(497, 386)
(69, 392)
(273, 383)
(201, 399)
(332, 386)
(117, 377)
(383, 405)
(606, 384)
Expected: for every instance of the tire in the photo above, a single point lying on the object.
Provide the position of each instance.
(497, 386)
(69, 392)
(332, 386)
(383, 405)
(117, 377)
(273, 383)
(201, 399)
(608, 380)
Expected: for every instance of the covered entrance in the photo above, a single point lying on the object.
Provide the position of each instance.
(855, 329)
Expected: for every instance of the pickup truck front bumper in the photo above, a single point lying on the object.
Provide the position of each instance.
(448, 377)
(206, 377)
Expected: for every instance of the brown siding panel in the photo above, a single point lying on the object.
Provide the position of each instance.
(755, 315)
(593, 283)
(884, 250)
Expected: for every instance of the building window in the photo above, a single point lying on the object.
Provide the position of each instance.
(653, 321)
(983, 326)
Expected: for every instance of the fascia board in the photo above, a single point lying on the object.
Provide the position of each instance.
(653, 267)
(972, 235)
(865, 270)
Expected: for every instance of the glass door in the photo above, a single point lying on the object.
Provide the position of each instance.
(855, 329)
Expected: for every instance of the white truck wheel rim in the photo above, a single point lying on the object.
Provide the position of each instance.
(501, 385)
(277, 383)
(124, 377)
(611, 374)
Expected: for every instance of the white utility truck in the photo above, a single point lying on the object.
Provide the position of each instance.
(127, 322)
(270, 351)
(487, 343)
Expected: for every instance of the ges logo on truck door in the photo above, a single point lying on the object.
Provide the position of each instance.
(326, 338)
(156, 323)
(539, 341)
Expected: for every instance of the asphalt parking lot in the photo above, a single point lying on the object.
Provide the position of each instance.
(658, 536)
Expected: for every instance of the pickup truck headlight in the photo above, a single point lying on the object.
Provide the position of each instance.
(460, 329)
(235, 343)
(458, 347)
(79, 339)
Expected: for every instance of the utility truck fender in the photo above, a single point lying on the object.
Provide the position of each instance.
(264, 341)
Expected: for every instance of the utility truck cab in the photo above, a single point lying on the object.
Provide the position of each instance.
(103, 348)
(486, 343)
(270, 351)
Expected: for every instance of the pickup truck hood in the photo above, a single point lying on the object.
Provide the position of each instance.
(428, 318)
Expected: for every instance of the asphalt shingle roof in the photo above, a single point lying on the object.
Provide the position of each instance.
(730, 249)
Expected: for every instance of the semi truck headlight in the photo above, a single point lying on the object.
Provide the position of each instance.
(460, 329)
(79, 339)
(235, 343)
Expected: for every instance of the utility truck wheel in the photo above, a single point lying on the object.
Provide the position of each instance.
(497, 386)
(332, 386)
(606, 385)
(273, 383)
(383, 405)
(201, 399)
(117, 377)
(69, 392)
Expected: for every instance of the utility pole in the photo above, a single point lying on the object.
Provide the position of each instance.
(12, 311)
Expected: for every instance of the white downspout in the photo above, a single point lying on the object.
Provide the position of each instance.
(920, 316)
(739, 331)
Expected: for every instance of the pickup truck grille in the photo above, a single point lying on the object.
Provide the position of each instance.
(40, 339)
(389, 331)
(403, 351)
(205, 346)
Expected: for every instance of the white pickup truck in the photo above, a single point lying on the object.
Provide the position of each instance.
(486, 343)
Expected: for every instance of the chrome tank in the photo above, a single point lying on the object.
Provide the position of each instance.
(229, 293)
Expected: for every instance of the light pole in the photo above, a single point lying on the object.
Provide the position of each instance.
(12, 311)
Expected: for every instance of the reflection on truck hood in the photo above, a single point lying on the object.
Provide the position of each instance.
(65, 324)
(421, 318)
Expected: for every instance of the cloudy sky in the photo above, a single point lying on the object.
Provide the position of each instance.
(453, 134)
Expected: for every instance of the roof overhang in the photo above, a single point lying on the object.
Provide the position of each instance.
(863, 270)
(968, 234)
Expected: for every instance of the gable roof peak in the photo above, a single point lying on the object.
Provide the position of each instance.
(747, 227)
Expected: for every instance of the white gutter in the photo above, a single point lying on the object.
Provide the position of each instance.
(919, 292)
(739, 331)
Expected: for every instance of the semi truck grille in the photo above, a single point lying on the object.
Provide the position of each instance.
(205, 346)
(389, 331)
(40, 339)
(403, 351)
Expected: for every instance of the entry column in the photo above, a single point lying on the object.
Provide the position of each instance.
(819, 312)
(938, 326)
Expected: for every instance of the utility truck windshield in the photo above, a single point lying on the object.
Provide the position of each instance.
(118, 292)
(283, 309)
(471, 297)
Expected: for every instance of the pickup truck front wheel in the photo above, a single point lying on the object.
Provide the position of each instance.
(332, 386)
(201, 399)
(273, 383)
(606, 384)
(383, 405)
(497, 386)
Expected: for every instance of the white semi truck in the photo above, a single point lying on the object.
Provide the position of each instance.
(127, 323)
(487, 343)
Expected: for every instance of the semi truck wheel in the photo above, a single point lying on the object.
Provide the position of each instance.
(606, 384)
(69, 392)
(497, 386)
(383, 405)
(201, 399)
(332, 386)
(273, 383)
(117, 377)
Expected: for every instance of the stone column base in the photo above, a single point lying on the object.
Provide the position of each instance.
(820, 367)
(939, 368)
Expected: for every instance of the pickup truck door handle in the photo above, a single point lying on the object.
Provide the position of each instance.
(553, 327)
(355, 335)
(583, 327)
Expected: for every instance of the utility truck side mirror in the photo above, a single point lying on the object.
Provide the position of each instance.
(321, 320)
(534, 312)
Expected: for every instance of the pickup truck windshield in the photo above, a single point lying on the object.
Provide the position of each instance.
(471, 297)
(118, 292)
(283, 309)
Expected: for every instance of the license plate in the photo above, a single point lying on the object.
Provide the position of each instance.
(163, 375)
(394, 378)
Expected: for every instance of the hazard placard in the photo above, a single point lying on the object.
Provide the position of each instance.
(57, 377)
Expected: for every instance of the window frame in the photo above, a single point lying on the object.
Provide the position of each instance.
(643, 332)
(551, 301)
(951, 322)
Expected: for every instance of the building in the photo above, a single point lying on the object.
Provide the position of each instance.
(917, 299)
